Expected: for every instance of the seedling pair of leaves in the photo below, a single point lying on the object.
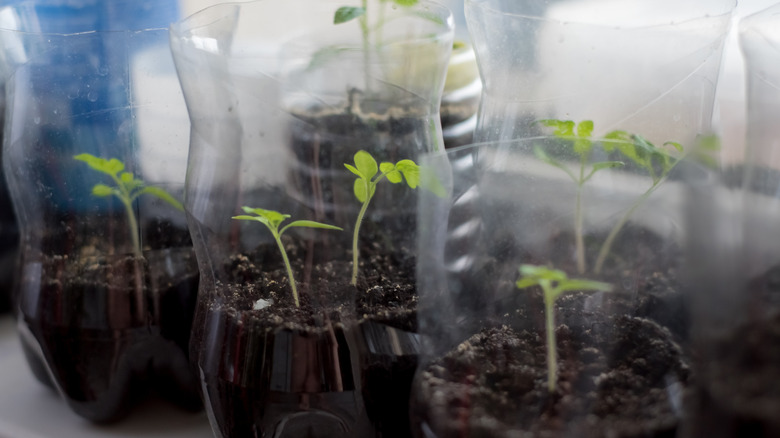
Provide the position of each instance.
(127, 188)
(369, 174)
(272, 220)
(657, 162)
(554, 284)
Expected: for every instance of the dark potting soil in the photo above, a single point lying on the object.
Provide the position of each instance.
(623, 363)
(623, 381)
(738, 390)
(110, 330)
(340, 365)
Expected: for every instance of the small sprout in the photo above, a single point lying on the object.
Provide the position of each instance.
(127, 189)
(272, 220)
(369, 175)
(554, 283)
(582, 145)
(345, 14)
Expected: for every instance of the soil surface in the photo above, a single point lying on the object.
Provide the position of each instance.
(112, 329)
(739, 389)
(341, 364)
(622, 356)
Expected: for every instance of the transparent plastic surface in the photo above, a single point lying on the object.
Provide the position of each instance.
(734, 230)
(9, 231)
(94, 155)
(281, 99)
(645, 66)
(502, 276)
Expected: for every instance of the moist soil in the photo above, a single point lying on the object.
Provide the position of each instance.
(738, 390)
(623, 364)
(341, 364)
(110, 330)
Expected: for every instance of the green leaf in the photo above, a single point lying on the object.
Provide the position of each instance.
(527, 282)
(676, 145)
(411, 172)
(324, 56)
(110, 167)
(126, 177)
(542, 273)
(347, 13)
(542, 156)
(394, 176)
(353, 170)
(562, 128)
(366, 164)
(386, 167)
(428, 15)
(607, 165)
(162, 194)
(102, 190)
(405, 2)
(583, 285)
(360, 190)
(312, 224)
(585, 129)
(269, 217)
(430, 182)
(582, 146)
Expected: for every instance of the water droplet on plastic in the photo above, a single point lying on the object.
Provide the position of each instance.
(676, 117)
(395, 7)
(92, 96)
(37, 120)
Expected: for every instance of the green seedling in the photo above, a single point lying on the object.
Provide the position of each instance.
(127, 189)
(369, 175)
(554, 283)
(272, 219)
(658, 162)
(371, 31)
(582, 145)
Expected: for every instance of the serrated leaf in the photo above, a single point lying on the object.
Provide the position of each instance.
(585, 129)
(562, 128)
(360, 190)
(110, 167)
(102, 190)
(411, 172)
(366, 164)
(162, 194)
(347, 13)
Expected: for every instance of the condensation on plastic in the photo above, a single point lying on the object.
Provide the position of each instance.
(97, 323)
(280, 99)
